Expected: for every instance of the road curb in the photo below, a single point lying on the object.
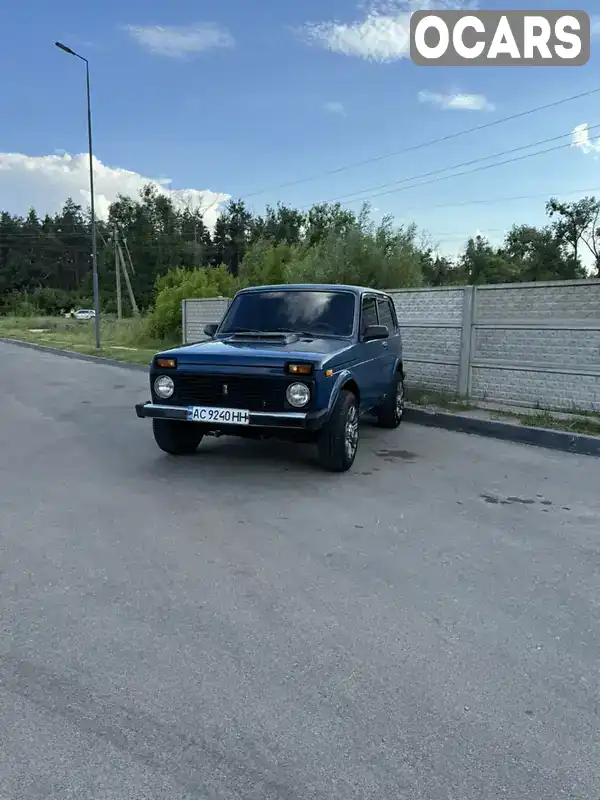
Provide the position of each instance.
(112, 362)
(576, 443)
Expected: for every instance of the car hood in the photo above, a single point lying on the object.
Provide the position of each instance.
(260, 352)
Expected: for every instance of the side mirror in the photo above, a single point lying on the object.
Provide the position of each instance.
(376, 332)
(211, 329)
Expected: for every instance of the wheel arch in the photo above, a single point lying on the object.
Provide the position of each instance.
(351, 386)
(345, 381)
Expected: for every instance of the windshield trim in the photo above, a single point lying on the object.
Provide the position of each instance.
(278, 290)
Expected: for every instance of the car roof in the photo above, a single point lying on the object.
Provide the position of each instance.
(317, 287)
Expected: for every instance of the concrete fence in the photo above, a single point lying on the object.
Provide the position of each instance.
(523, 344)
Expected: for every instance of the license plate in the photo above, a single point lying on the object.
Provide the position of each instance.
(229, 416)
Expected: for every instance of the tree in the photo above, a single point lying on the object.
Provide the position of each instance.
(481, 263)
(539, 254)
(353, 250)
(265, 262)
(577, 222)
(45, 263)
(232, 235)
(326, 218)
(439, 270)
(280, 224)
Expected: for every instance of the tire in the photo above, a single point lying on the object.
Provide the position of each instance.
(338, 440)
(176, 438)
(391, 412)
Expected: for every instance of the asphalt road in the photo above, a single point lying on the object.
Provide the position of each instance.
(240, 625)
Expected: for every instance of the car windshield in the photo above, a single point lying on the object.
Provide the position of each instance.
(298, 311)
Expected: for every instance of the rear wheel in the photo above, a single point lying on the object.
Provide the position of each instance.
(176, 438)
(338, 441)
(391, 412)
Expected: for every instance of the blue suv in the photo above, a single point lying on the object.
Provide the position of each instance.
(303, 362)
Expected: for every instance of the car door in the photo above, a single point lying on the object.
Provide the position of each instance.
(369, 370)
(392, 347)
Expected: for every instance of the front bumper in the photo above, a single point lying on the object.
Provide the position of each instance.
(291, 420)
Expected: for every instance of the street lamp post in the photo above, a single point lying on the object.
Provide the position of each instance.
(92, 204)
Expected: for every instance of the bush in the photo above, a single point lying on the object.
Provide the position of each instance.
(382, 257)
(266, 263)
(356, 252)
(165, 318)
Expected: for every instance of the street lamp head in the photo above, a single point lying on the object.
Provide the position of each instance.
(65, 48)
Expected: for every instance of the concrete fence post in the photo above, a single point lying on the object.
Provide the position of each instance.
(464, 367)
(184, 321)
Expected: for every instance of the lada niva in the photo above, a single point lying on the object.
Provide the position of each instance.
(303, 362)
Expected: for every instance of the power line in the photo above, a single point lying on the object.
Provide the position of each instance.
(469, 171)
(455, 166)
(421, 145)
(514, 198)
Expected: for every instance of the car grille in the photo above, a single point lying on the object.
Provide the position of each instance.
(255, 393)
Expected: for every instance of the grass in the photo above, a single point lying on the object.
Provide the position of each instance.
(586, 423)
(573, 421)
(427, 397)
(124, 340)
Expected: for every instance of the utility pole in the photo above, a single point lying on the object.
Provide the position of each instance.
(118, 274)
(134, 306)
(129, 259)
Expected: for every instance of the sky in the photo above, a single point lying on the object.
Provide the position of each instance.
(282, 101)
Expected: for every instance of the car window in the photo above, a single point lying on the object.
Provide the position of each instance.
(369, 313)
(317, 312)
(386, 314)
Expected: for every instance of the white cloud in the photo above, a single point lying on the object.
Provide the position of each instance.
(595, 25)
(580, 138)
(383, 35)
(457, 101)
(45, 182)
(335, 108)
(181, 41)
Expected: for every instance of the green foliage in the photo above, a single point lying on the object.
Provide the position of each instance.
(481, 263)
(165, 318)
(358, 252)
(539, 254)
(440, 271)
(576, 223)
(45, 263)
(265, 262)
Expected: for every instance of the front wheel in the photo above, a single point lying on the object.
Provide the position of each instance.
(338, 441)
(176, 438)
(391, 412)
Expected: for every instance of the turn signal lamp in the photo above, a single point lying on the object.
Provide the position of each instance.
(166, 363)
(328, 373)
(300, 369)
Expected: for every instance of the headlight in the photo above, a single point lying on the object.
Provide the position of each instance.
(164, 386)
(298, 394)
